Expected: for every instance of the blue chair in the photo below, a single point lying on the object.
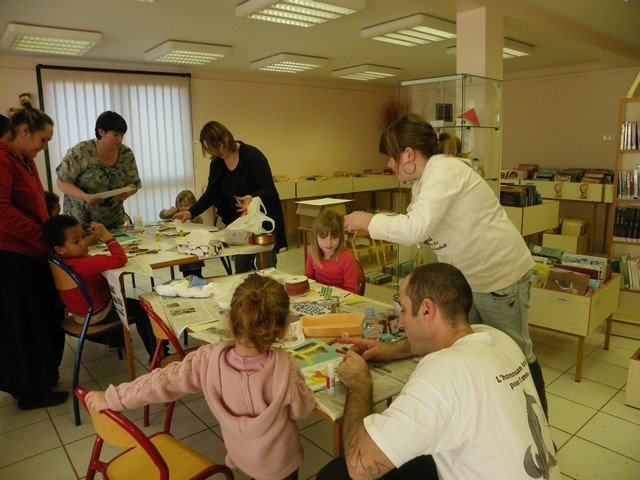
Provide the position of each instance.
(66, 279)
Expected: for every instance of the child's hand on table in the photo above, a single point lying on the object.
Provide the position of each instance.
(96, 401)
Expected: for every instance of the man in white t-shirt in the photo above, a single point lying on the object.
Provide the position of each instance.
(469, 410)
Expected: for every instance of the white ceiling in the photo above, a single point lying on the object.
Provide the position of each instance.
(564, 32)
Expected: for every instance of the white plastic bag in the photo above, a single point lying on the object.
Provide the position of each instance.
(239, 231)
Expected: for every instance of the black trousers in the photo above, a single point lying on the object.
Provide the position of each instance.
(420, 468)
(30, 326)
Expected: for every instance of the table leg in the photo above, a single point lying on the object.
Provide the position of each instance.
(607, 334)
(262, 260)
(226, 263)
(338, 447)
(126, 331)
(578, 376)
(129, 349)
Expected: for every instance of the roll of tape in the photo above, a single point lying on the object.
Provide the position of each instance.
(296, 284)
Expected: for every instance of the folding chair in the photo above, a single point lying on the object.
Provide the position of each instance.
(64, 279)
(158, 456)
(164, 335)
(357, 247)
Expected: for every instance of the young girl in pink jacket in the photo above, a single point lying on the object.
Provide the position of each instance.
(257, 393)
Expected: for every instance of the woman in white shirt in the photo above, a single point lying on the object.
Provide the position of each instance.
(457, 214)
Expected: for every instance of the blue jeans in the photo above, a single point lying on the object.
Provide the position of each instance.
(508, 311)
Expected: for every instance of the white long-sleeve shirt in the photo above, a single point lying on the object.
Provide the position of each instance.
(457, 214)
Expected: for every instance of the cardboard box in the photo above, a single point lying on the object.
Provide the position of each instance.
(566, 243)
(633, 381)
(534, 219)
(309, 209)
(573, 226)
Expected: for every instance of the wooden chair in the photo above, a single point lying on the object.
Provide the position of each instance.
(64, 279)
(164, 336)
(361, 279)
(383, 246)
(159, 456)
(360, 242)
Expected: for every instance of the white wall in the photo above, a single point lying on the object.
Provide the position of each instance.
(302, 129)
(560, 121)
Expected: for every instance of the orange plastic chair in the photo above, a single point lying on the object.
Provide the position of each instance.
(164, 335)
(159, 456)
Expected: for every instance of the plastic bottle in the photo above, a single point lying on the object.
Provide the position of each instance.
(369, 327)
(335, 304)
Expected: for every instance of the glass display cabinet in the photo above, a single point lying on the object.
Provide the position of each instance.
(467, 106)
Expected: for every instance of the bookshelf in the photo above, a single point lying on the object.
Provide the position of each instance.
(624, 236)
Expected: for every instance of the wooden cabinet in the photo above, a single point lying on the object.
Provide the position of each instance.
(534, 219)
(574, 315)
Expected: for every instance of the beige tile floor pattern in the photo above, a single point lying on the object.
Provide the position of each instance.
(598, 436)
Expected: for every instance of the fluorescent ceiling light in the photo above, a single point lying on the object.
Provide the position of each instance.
(299, 13)
(289, 63)
(366, 72)
(411, 31)
(58, 41)
(186, 53)
(510, 49)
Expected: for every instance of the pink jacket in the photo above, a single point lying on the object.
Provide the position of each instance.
(257, 410)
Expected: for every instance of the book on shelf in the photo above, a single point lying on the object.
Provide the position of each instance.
(519, 195)
(567, 281)
(597, 263)
(629, 268)
(553, 254)
(629, 136)
(629, 183)
(546, 174)
(626, 227)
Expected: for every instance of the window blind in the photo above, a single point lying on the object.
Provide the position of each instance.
(157, 109)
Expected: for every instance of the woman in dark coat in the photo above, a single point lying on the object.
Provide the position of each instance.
(238, 172)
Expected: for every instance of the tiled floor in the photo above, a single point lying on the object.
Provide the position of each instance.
(597, 434)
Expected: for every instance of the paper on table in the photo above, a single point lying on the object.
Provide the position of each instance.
(110, 193)
(325, 201)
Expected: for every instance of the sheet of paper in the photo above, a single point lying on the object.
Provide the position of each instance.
(109, 193)
(119, 301)
(326, 201)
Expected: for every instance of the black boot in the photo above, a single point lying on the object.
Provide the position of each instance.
(536, 375)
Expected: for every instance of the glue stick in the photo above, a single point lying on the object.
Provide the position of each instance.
(331, 378)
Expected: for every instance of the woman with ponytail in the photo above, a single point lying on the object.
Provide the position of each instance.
(255, 391)
(457, 214)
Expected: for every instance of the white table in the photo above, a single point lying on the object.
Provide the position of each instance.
(166, 256)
